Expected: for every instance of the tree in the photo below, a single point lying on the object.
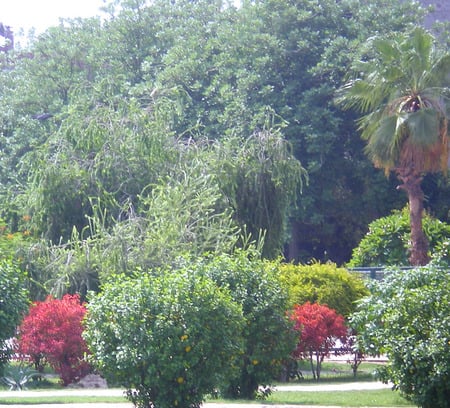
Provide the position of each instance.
(387, 241)
(13, 304)
(51, 332)
(106, 150)
(288, 58)
(407, 318)
(219, 69)
(319, 328)
(262, 180)
(184, 214)
(325, 284)
(401, 93)
(169, 339)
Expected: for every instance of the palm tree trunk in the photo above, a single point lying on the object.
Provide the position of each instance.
(419, 242)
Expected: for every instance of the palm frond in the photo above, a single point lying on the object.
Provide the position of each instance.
(403, 95)
(419, 45)
(423, 127)
(439, 71)
(356, 94)
(368, 123)
(386, 49)
(383, 146)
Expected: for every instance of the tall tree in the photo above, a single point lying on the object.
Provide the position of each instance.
(290, 56)
(200, 68)
(402, 94)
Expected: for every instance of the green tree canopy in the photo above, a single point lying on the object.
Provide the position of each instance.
(125, 91)
(289, 58)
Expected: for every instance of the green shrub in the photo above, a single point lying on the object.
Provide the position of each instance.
(388, 240)
(325, 284)
(268, 334)
(407, 317)
(13, 304)
(169, 340)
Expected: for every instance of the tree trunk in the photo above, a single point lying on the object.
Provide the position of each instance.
(419, 242)
(311, 361)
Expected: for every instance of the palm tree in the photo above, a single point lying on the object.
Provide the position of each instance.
(401, 93)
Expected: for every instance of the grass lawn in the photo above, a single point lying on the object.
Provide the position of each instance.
(337, 371)
(60, 400)
(369, 398)
(363, 398)
(333, 373)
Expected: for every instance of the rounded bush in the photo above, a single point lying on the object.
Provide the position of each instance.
(170, 340)
(407, 318)
(325, 284)
(387, 243)
(268, 333)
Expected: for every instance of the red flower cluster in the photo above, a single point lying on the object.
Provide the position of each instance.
(52, 332)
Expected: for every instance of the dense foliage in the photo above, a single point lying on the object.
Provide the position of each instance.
(407, 318)
(388, 239)
(13, 304)
(267, 333)
(52, 333)
(96, 113)
(135, 144)
(325, 284)
(319, 328)
(169, 339)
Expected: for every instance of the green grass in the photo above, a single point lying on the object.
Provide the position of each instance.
(333, 373)
(362, 398)
(60, 400)
(337, 372)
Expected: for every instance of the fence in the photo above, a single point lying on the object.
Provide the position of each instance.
(374, 272)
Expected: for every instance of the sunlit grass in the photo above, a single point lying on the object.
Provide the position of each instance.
(337, 372)
(333, 373)
(361, 398)
(63, 399)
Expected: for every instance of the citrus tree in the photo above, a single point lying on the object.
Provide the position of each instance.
(407, 318)
(401, 91)
(267, 333)
(168, 339)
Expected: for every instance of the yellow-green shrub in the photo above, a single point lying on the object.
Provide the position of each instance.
(326, 284)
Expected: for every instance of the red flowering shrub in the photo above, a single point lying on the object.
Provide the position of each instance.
(51, 332)
(319, 328)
